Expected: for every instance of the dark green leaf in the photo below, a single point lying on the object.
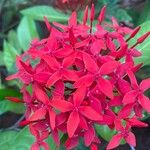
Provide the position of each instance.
(38, 12)
(26, 32)
(105, 132)
(8, 92)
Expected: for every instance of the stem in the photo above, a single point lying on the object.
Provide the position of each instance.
(132, 148)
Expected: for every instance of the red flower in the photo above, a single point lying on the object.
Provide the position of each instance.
(77, 110)
(136, 95)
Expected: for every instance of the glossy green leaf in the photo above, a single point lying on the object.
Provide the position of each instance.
(9, 56)
(6, 105)
(105, 132)
(26, 31)
(143, 47)
(38, 12)
(8, 92)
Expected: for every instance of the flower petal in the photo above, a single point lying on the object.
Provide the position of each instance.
(38, 114)
(52, 118)
(125, 111)
(53, 79)
(114, 142)
(145, 102)
(40, 94)
(132, 79)
(84, 81)
(130, 97)
(45, 146)
(71, 143)
(89, 136)
(90, 113)
(63, 52)
(106, 87)
(51, 61)
(90, 64)
(55, 136)
(79, 95)
(72, 123)
(145, 84)
(35, 146)
(70, 75)
(109, 67)
(62, 105)
(130, 139)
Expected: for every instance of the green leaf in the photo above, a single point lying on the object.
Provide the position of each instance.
(122, 15)
(8, 92)
(23, 140)
(9, 55)
(51, 143)
(26, 31)
(105, 132)
(7, 105)
(113, 9)
(143, 47)
(38, 12)
(13, 40)
(1, 59)
(16, 140)
(6, 138)
(145, 13)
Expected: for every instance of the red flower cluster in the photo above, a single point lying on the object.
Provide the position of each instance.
(80, 75)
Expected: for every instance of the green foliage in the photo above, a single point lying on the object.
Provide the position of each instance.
(105, 132)
(8, 92)
(12, 140)
(145, 14)
(6, 105)
(26, 32)
(9, 55)
(38, 12)
(113, 9)
(13, 40)
(16, 140)
(6, 138)
(143, 47)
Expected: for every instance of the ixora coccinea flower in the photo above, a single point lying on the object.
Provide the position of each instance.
(78, 77)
